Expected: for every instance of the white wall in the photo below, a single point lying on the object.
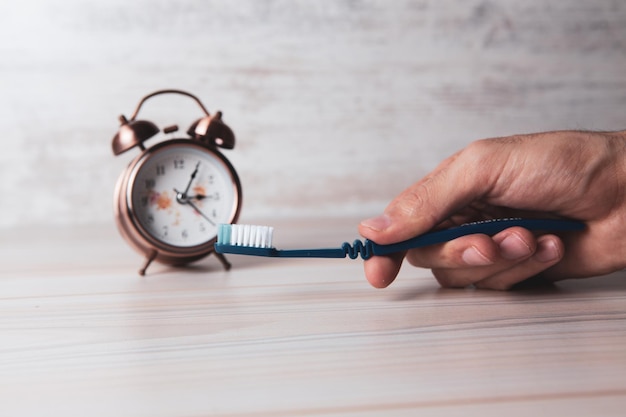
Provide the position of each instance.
(337, 104)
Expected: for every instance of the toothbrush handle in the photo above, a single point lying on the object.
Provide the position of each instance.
(309, 253)
(488, 227)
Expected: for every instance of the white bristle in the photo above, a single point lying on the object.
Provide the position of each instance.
(246, 235)
(251, 235)
(239, 235)
(262, 237)
(233, 233)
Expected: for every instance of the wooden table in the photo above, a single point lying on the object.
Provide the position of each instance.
(83, 335)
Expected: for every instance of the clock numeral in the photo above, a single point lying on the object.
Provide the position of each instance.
(211, 179)
(150, 219)
(202, 227)
(150, 183)
(144, 201)
(165, 231)
(185, 234)
(214, 213)
(179, 164)
(160, 170)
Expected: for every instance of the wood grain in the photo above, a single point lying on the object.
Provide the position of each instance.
(83, 334)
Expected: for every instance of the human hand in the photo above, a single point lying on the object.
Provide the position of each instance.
(563, 174)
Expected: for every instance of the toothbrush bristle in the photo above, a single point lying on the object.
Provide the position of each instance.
(245, 235)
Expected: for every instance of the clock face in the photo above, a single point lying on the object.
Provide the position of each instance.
(180, 192)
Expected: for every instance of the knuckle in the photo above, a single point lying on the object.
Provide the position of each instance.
(416, 201)
(481, 155)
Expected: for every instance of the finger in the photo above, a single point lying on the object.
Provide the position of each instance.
(434, 198)
(549, 251)
(467, 251)
(510, 247)
(380, 271)
(596, 251)
(476, 250)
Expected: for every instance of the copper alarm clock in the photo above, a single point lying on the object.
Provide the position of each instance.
(171, 197)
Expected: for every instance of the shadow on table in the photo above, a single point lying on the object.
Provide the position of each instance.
(535, 287)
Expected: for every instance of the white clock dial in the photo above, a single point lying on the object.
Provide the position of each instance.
(180, 193)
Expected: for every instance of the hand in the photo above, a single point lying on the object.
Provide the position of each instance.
(199, 212)
(571, 174)
(199, 197)
(193, 175)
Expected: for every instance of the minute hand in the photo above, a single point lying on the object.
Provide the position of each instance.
(199, 212)
(193, 175)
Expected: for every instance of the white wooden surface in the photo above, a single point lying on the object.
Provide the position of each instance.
(81, 334)
(337, 104)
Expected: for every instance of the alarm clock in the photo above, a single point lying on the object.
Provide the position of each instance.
(170, 199)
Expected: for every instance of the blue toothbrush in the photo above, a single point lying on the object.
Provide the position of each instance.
(257, 240)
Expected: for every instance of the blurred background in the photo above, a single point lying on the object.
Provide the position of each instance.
(337, 105)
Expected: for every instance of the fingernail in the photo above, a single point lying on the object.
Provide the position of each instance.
(472, 256)
(512, 247)
(547, 251)
(377, 223)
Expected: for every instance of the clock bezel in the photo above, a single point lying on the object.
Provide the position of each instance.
(141, 239)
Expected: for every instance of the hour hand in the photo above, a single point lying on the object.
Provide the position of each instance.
(183, 198)
(198, 197)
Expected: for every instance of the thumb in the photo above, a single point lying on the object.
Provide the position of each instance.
(454, 184)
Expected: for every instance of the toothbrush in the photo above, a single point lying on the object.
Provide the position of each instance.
(257, 240)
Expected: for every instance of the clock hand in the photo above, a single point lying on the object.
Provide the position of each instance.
(199, 197)
(199, 212)
(193, 175)
(181, 198)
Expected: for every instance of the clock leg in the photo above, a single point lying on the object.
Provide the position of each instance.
(223, 260)
(149, 260)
